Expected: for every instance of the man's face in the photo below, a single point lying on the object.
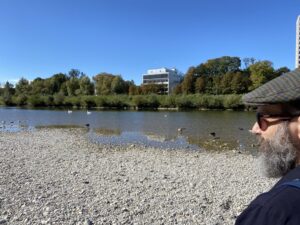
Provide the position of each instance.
(277, 153)
(276, 136)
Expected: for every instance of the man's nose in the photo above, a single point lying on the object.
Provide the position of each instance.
(255, 129)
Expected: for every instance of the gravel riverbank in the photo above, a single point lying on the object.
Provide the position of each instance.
(56, 176)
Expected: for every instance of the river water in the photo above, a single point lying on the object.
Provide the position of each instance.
(211, 130)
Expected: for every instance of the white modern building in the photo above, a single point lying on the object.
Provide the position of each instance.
(298, 42)
(167, 78)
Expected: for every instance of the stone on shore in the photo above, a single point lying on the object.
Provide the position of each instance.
(56, 176)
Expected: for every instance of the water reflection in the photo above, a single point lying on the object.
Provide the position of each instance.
(194, 128)
(126, 138)
(58, 126)
(107, 132)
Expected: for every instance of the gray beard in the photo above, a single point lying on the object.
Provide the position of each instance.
(277, 154)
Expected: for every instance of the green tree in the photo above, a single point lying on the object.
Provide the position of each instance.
(73, 87)
(86, 86)
(57, 81)
(226, 82)
(118, 85)
(281, 71)
(37, 85)
(222, 65)
(48, 88)
(240, 83)
(22, 87)
(8, 92)
(260, 73)
(74, 73)
(248, 62)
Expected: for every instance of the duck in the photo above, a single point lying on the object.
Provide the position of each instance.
(213, 134)
(180, 129)
(70, 111)
(88, 112)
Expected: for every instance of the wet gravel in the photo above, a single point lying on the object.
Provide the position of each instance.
(57, 176)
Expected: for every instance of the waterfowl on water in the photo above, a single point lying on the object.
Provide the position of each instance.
(180, 129)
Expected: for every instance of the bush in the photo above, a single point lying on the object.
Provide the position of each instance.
(100, 101)
(7, 100)
(1, 101)
(201, 101)
(153, 101)
(167, 101)
(58, 99)
(144, 101)
(20, 100)
(49, 100)
(35, 100)
(215, 102)
(72, 101)
(117, 101)
(184, 101)
(232, 102)
(88, 101)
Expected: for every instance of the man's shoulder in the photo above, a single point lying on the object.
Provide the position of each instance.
(279, 196)
(280, 204)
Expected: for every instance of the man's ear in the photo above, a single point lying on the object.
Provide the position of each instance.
(298, 127)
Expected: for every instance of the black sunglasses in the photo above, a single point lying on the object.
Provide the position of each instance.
(263, 123)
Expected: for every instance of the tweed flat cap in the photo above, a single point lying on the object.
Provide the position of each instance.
(283, 89)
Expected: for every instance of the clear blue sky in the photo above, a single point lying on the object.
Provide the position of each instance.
(39, 38)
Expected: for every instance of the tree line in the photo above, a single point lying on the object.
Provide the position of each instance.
(225, 76)
(219, 76)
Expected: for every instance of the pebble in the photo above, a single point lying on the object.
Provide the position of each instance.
(88, 222)
(59, 177)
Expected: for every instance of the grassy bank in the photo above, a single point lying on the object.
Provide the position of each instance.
(195, 101)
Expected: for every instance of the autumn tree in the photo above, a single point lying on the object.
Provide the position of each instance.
(178, 89)
(103, 83)
(188, 83)
(200, 85)
(133, 90)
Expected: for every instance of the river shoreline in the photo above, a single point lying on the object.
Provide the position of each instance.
(56, 176)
